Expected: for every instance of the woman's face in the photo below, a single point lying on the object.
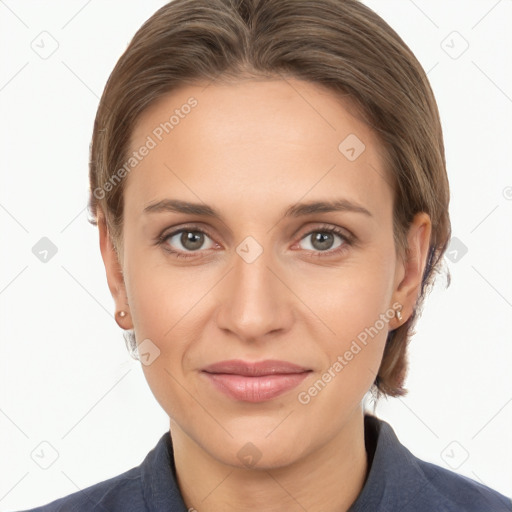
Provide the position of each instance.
(257, 228)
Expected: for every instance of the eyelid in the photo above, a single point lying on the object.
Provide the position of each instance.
(330, 228)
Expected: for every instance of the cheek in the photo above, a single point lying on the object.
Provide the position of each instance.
(355, 304)
(169, 307)
(166, 308)
(352, 297)
(159, 295)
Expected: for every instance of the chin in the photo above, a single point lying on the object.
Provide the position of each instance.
(257, 450)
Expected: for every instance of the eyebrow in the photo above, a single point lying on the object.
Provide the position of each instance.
(295, 210)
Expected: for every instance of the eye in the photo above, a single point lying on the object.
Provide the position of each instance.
(186, 241)
(190, 242)
(323, 240)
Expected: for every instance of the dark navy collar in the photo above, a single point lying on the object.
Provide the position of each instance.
(159, 480)
(390, 463)
(397, 480)
(394, 479)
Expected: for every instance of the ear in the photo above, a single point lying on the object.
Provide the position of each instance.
(114, 272)
(409, 273)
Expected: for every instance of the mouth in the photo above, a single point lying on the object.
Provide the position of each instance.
(255, 381)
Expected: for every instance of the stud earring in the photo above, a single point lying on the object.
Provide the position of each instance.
(398, 314)
(119, 317)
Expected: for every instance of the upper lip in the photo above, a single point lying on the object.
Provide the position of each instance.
(254, 369)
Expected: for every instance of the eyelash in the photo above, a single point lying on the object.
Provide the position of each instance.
(348, 240)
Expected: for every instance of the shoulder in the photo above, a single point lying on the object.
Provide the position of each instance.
(456, 492)
(150, 486)
(398, 480)
(121, 493)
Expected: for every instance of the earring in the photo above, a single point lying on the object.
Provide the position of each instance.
(119, 317)
(398, 314)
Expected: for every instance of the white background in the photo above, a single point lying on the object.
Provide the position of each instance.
(65, 376)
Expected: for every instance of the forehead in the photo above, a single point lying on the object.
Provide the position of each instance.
(279, 140)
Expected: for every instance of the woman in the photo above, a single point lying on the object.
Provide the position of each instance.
(269, 184)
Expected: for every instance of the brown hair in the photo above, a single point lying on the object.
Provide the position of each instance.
(340, 44)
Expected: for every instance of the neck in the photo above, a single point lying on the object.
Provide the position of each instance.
(327, 479)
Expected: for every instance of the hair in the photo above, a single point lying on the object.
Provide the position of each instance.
(338, 44)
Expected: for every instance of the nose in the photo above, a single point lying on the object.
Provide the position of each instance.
(255, 299)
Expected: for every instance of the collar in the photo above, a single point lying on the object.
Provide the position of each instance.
(395, 479)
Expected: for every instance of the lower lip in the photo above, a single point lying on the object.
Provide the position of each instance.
(255, 389)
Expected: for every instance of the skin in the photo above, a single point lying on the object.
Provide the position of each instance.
(250, 150)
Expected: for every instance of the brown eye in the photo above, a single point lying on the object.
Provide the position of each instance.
(324, 240)
(187, 240)
(327, 241)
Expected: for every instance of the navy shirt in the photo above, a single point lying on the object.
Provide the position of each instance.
(397, 481)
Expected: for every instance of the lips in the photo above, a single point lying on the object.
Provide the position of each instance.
(254, 381)
(268, 367)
